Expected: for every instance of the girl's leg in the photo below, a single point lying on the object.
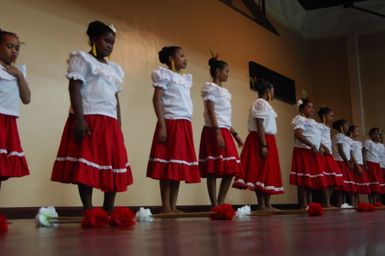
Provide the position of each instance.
(165, 192)
(268, 204)
(224, 188)
(261, 200)
(174, 195)
(302, 197)
(85, 193)
(326, 197)
(109, 201)
(309, 196)
(212, 189)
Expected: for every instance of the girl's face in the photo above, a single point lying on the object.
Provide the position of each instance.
(375, 136)
(180, 59)
(345, 128)
(105, 44)
(308, 109)
(356, 132)
(223, 74)
(9, 49)
(329, 117)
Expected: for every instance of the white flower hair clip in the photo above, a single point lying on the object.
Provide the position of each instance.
(112, 27)
(299, 103)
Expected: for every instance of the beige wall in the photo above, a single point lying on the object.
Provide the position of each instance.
(53, 28)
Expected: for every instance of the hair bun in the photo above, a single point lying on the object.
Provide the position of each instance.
(163, 55)
(213, 61)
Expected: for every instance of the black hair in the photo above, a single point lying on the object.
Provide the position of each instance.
(215, 64)
(4, 33)
(323, 111)
(351, 129)
(303, 104)
(166, 52)
(373, 130)
(338, 124)
(262, 86)
(97, 28)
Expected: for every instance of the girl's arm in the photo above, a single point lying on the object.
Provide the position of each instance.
(213, 120)
(342, 154)
(298, 133)
(81, 128)
(118, 109)
(158, 107)
(261, 137)
(236, 136)
(364, 150)
(24, 91)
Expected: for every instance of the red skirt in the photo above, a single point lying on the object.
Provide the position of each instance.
(374, 176)
(100, 161)
(362, 181)
(12, 158)
(382, 185)
(350, 183)
(216, 161)
(262, 174)
(175, 159)
(307, 169)
(332, 171)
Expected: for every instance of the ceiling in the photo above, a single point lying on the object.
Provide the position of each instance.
(329, 22)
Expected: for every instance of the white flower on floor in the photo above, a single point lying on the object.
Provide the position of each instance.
(144, 215)
(45, 215)
(346, 206)
(243, 211)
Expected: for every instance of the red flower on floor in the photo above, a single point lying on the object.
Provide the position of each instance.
(95, 218)
(222, 212)
(378, 204)
(315, 209)
(365, 207)
(3, 224)
(122, 217)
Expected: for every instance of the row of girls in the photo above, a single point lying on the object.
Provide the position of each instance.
(342, 167)
(92, 153)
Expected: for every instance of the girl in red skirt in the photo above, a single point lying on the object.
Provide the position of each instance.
(372, 156)
(218, 156)
(172, 156)
(306, 166)
(13, 87)
(260, 161)
(92, 152)
(382, 165)
(342, 155)
(362, 180)
(330, 168)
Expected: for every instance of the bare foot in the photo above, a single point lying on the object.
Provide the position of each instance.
(262, 209)
(271, 208)
(166, 211)
(177, 211)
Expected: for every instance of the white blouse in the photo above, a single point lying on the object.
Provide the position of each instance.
(221, 98)
(373, 151)
(9, 92)
(261, 109)
(101, 82)
(176, 99)
(326, 139)
(311, 131)
(346, 143)
(357, 151)
(382, 156)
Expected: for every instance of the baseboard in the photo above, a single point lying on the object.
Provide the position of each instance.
(30, 212)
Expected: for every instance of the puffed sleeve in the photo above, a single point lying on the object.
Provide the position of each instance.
(298, 122)
(260, 109)
(209, 92)
(77, 67)
(120, 75)
(367, 144)
(339, 138)
(160, 78)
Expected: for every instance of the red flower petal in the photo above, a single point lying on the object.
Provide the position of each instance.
(222, 212)
(3, 224)
(315, 209)
(122, 217)
(95, 218)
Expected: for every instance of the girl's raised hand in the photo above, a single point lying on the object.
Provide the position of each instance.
(12, 70)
